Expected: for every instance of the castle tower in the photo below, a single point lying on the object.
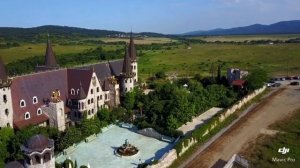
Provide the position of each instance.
(50, 59)
(38, 152)
(6, 110)
(127, 75)
(133, 59)
(55, 111)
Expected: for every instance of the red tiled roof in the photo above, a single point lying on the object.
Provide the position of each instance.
(40, 85)
(32, 121)
(77, 77)
(238, 82)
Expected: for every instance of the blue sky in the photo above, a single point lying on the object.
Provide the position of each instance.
(163, 16)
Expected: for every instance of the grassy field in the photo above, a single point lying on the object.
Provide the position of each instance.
(29, 50)
(242, 38)
(185, 62)
(266, 147)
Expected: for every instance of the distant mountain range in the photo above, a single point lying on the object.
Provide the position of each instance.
(35, 33)
(284, 27)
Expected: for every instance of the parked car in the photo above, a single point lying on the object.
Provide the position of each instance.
(276, 85)
(294, 83)
(288, 78)
(282, 79)
(296, 77)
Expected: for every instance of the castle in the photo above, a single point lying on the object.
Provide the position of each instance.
(58, 97)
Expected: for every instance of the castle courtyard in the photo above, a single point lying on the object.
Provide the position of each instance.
(100, 152)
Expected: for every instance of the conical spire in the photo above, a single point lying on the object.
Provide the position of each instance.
(131, 48)
(50, 60)
(3, 75)
(4, 81)
(82, 94)
(127, 70)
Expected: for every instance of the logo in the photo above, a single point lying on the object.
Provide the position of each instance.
(284, 150)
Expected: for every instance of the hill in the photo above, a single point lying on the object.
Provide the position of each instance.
(60, 32)
(284, 27)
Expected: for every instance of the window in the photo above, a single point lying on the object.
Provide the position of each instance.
(105, 96)
(6, 112)
(22, 103)
(82, 105)
(98, 89)
(100, 97)
(27, 115)
(72, 91)
(89, 101)
(130, 80)
(34, 100)
(39, 111)
(89, 112)
(92, 111)
(125, 89)
(78, 91)
(92, 100)
(4, 98)
(92, 91)
(125, 80)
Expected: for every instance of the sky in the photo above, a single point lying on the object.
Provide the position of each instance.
(161, 16)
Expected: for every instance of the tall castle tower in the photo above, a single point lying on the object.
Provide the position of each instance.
(133, 59)
(127, 75)
(6, 111)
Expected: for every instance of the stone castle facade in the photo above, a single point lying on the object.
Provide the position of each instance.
(58, 97)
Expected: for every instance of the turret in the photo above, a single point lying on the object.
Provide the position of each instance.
(38, 152)
(133, 58)
(6, 111)
(127, 75)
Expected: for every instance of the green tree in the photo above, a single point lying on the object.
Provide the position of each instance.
(256, 79)
(129, 100)
(6, 135)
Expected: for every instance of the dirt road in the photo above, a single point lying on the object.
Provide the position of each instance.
(249, 127)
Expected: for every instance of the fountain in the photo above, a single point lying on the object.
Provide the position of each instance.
(127, 149)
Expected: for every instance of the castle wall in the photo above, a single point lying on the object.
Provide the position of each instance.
(6, 110)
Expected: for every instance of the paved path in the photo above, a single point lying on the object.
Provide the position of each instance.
(227, 142)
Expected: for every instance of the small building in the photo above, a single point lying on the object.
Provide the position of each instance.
(38, 152)
(235, 74)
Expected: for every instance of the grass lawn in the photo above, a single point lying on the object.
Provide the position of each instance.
(242, 38)
(29, 50)
(274, 58)
(266, 147)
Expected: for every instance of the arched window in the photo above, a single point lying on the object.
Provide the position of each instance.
(100, 97)
(27, 115)
(39, 111)
(4, 98)
(89, 101)
(22, 103)
(97, 89)
(89, 112)
(92, 100)
(105, 96)
(37, 160)
(47, 157)
(92, 91)
(92, 111)
(72, 91)
(6, 112)
(34, 100)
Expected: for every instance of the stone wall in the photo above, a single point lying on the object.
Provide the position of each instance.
(166, 160)
(222, 117)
